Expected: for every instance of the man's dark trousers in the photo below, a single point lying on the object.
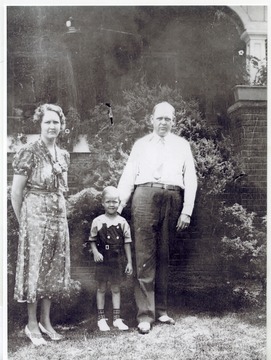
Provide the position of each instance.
(155, 213)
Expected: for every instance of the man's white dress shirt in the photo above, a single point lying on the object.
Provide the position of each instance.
(173, 160)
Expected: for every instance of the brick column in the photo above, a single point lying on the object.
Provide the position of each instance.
(249, 134)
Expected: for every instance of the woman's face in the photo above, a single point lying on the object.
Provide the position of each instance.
(50, 125)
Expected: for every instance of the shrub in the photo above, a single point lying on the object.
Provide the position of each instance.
(82, 208)
(110, 145)
(69, 137)
(244, 241)
(242, 252)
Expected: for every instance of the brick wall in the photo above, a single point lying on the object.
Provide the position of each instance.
(249, 134)
(73, 176)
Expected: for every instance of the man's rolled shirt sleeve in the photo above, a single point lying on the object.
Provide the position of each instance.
(190, 183)
(127, 180)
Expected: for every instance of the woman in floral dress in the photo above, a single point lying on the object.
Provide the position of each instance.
(43, 262)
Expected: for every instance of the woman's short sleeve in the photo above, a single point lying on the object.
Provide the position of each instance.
(23, 162)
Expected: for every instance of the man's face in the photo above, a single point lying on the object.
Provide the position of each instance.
(162, 119)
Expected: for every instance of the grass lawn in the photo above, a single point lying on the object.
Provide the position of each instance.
(202, 336)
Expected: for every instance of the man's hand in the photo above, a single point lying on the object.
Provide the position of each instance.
(183, 222)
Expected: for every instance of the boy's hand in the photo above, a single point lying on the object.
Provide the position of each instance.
(98, 257)
(129, 269)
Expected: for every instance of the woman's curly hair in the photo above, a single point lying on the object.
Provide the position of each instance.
(41, 110)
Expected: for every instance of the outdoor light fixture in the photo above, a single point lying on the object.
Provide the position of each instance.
(70, 25)
(72, 36)
(69, 22)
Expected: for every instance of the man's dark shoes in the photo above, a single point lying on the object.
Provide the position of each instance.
(165, 319)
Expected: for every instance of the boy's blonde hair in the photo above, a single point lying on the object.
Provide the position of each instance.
(110, 190)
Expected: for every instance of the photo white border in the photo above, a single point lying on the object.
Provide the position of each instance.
(3, 137)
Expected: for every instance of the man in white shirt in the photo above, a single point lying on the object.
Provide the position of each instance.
(161, 172)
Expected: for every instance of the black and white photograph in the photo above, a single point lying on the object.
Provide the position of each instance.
(136, 182)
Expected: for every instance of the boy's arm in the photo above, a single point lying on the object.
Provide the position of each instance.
(128, 253)
(98, 257)
(93, 247)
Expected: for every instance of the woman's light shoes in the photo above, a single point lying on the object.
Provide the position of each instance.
(52, 335)
(118, 323)
(102, 325)
(36, 338)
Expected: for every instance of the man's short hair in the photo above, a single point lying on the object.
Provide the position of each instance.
(164, 103)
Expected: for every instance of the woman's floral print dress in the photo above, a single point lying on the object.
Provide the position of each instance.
(43, 263)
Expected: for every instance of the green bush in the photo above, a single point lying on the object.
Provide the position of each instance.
(82, 208)
(69, 137)
(110, 145)
(243, 247)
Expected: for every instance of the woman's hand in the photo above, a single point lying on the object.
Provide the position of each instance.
(18, 185)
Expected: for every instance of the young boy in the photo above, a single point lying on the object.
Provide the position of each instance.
(109, 236)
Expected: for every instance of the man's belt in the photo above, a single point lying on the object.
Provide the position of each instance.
(161, 186)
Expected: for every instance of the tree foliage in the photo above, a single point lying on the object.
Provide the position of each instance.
(110, 145)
